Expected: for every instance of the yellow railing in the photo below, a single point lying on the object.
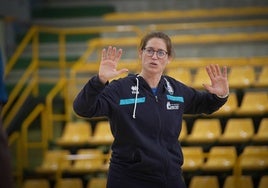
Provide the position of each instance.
(13, 106)
(15, 139)
(31, 75)
(26, 40)
(39, 110)
(59, 89)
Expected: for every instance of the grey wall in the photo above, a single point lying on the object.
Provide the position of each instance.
(18, 9)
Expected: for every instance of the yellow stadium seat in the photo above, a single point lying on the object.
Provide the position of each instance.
(263, 183)
(181, 74)
(75, 133)
(254, 158)
(238, 181)
(262, 80)
(205, 131)
(241, 77)
(36, 183)
(54, 160)
(193, 158)
(262, 133)
(97, 182)
(229, 107)
(204, 182)
(102, 134)
(106, 164)
(220, 158)
(87, 160)
(69, 183)
(253, 103)
(237, 130)
(201, 77)
(184, 132)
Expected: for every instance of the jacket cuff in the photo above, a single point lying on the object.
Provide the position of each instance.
(223, 96)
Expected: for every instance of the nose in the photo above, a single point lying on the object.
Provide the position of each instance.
(155, 55)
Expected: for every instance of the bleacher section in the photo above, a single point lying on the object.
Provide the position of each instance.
(52, 147)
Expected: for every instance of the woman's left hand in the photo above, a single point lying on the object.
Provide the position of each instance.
(219, 82)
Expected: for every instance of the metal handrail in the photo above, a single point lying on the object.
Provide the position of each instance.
(32, 38)
(60, 88)
(39, 110)
(26, 40)
(15, 108)
(15, 138)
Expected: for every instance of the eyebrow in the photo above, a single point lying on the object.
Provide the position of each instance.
(157, 49)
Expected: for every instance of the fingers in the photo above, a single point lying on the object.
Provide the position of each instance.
(122, 71)
(224, 72)
(210, 71)
(118, 55)
(103, 54)
(111, 54)
(215, 71)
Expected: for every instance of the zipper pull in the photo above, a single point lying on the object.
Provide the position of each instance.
(156, 99)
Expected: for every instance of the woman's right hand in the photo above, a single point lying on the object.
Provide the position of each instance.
(108, 65)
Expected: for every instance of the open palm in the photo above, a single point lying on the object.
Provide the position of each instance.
(219, 83)
(108, 64)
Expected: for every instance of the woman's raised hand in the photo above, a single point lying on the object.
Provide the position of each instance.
(108, 64)
(219, 83)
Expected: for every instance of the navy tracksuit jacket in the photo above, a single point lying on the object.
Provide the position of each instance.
(146, 151)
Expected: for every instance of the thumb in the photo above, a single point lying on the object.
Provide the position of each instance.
(122, 71)
(207, 87)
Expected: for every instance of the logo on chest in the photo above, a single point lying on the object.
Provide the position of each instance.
(174, 106)
(134, 90)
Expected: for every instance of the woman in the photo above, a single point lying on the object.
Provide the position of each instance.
(145, 113)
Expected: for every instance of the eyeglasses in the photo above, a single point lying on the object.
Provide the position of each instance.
(159, 53)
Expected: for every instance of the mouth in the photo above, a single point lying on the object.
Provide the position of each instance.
(153, 64)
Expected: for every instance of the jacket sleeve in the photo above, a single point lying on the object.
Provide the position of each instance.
(90, 101)
(202, 102)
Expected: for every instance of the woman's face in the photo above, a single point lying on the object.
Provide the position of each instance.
(155, 63)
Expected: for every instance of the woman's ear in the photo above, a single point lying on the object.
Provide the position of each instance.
(169, 59)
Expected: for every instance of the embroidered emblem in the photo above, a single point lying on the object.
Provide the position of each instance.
(134, 89)
(170, 106)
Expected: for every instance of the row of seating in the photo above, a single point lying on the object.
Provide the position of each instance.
(238, 76)
(84, 161)
(236, 130)
(247, 105)
(207, 130)
(94, 182)
(225, 159)
(229, 182)
(80, 133)
(195, 182)
(217, 159)
(180, 14)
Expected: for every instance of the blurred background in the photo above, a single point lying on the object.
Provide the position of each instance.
(51, 48)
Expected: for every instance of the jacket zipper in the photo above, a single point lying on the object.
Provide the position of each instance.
(165, 162)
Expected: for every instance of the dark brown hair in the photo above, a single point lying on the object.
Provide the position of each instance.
(160, 35)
